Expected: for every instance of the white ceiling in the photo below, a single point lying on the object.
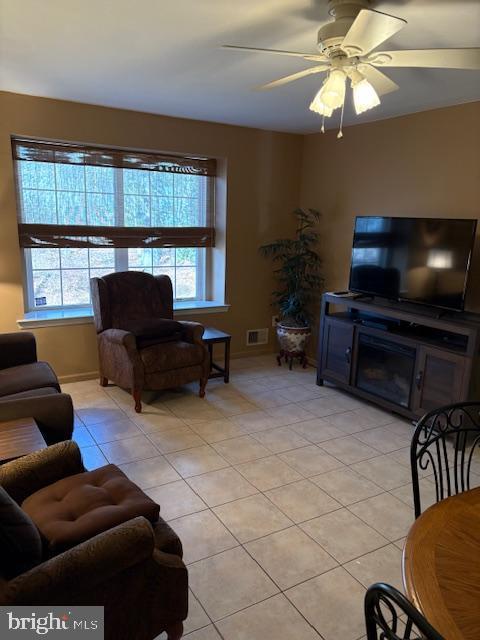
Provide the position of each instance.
(163, 56)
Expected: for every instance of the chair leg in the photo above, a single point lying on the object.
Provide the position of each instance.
(203, 384)
(175, 632)
(137, 396)
(103, 381)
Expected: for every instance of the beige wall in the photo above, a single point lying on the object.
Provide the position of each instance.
(263, 170)
(425, 164)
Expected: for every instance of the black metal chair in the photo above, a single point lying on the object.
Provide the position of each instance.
(444, 443)
(383, 607)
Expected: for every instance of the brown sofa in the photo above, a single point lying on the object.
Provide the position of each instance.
(29, 388)
(140, 345)
(134, 569)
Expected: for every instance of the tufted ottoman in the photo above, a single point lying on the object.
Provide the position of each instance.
(80, 506)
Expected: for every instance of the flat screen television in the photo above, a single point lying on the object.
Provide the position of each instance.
(422, 260)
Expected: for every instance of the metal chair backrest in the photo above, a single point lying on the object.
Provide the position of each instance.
(446, 445)
(383, 607)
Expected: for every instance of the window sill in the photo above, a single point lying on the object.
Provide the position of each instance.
(84, 315)
(187, 308)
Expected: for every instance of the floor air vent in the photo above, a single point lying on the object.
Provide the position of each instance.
(257, 336)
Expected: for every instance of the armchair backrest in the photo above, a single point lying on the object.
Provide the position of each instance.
(118, 298)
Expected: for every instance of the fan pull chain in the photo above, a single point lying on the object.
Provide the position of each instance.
(323, 124)
(340, 131)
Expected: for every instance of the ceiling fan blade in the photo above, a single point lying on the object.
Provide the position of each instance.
(369, 30)
(293, 76)
(278, 52)
(434, 58)
(379, 81)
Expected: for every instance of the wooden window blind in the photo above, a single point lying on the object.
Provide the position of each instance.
(68, 219)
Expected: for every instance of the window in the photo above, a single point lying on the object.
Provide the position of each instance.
(79, 220)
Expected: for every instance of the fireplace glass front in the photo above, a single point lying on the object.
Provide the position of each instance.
(385, 369)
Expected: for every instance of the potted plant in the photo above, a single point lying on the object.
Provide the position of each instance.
(299, 278)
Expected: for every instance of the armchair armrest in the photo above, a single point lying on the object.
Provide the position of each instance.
(22, 477)
(83, 568)
(120, 337)
(53, 412)
(120, 359)
(193, 331)
(16, 349)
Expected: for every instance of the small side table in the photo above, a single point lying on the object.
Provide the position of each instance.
(213, 336)
(18, 438)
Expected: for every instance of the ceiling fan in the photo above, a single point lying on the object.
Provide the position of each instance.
(347, 50)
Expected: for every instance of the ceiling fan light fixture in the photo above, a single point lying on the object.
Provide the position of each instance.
(332, 93)
(364, 95)
(348, 46)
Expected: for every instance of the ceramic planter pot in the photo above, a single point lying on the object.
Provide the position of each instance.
(292, 340)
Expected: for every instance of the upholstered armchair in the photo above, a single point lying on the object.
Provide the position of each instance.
(134, 569)
(140, 346)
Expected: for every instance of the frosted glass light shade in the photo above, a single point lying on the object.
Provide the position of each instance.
(318, 107)
(332, 93)
(364, 96)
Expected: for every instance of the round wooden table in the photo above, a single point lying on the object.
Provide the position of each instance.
(441, 566)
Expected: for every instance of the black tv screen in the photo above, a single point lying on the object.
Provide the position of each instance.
(423, 260)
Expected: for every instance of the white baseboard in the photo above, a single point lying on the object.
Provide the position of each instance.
(78, 377)
(91, 375)
(251, 354)
(312, 361)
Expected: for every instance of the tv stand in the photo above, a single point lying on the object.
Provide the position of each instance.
(398, 355)
(364, 296)
(441, 314)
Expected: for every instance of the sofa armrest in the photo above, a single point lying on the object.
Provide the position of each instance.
(193, 331)
(22, 477)
(83, 568)
(52, 412)
(16, 349)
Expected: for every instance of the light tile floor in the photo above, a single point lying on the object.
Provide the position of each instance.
(290, 499)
